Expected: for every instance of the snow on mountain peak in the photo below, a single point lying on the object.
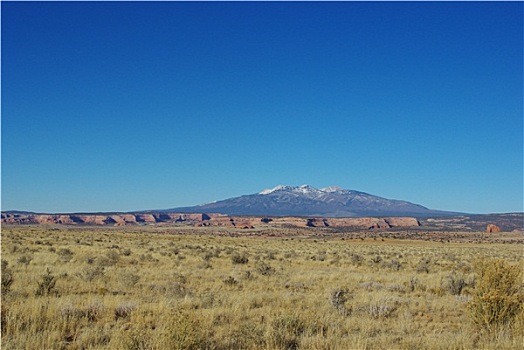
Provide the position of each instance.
(331, 189)
(271, 190)
(304, 189)
(300, 189)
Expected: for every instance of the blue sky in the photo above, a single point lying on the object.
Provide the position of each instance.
(112, 106)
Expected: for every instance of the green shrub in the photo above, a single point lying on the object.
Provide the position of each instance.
(498, 297)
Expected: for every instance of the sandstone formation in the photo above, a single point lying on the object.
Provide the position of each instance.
(493, 228)
(213, 220)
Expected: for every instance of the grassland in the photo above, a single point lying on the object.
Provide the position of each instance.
(141, 288)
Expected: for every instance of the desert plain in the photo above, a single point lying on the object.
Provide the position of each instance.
(186, 287)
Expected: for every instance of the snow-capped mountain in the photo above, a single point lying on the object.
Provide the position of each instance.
(307, 200)
(304, 189)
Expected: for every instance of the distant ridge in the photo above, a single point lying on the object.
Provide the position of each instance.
(306, 200)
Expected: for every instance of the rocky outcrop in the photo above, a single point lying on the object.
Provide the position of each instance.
(492, 228)
(369, 223)
(214, 220)
(402, 221)
(145, 218)
(252, 222)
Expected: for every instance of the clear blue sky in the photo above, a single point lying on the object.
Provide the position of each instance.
(112, 106)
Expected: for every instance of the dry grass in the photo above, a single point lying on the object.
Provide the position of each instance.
(72, 288)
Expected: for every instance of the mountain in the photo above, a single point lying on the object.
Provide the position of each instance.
(306, 200)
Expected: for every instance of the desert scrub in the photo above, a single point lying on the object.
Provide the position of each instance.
(7, 277)
(264, 269)
(230, 281)
(24, 260)
(150, 300)
(91, 312)
(498, 297)
(338, 298)
(382, 308)
(286, 331)
(423, 265)
(239, 259)
(127, 279)
(90, 273)
(65, 254)
(124, 310)
(454, 283)
(47, 284)
(184, 330)
(356, 259)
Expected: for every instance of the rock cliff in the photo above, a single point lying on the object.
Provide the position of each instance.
(491, 228)
(201, 219)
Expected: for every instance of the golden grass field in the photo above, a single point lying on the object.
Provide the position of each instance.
(119, 288)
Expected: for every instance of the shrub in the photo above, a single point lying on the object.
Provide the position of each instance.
(271, 255)
(7, 277)
(91, 312)
(423, 265)
(249, 335)
(248, 275)
(286, 331)
(382, 308)
(126, 252)
(395, 287)
(185, 331)
(239, 259)
(356, 259)
(393, 265)
(113, 257)
(90, 273)
(25, 260)
(265, 269)
(207, 256)
(454, 283)
(123, 310)
(128, 279)
(498, 297)
(65, 254)
(177, 289)
(338, 299)
(46, 286)
(230, 281)
(136, 339)
(205, 264)
(376, 259)
(413, 284)
(371, 285)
